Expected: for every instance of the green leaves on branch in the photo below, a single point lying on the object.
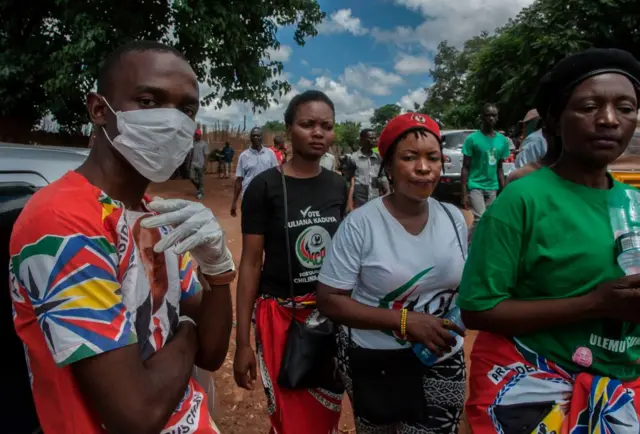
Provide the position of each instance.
(506, 68)
(382, 115)
(50, 50)
(275, 127)
(348, 135)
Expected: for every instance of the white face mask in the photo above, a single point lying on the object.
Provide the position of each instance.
(154, 141)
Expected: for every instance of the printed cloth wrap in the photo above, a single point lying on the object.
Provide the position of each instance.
(512, 386)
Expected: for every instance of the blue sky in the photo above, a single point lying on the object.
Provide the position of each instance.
(373, 52)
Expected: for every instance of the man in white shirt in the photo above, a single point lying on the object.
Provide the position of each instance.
(328, 161)
(251, 162)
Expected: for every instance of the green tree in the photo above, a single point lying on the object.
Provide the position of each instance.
(50, 51)
(348, 135)
(274, 127)
(508, 69)
(382, 115)
(447, 96)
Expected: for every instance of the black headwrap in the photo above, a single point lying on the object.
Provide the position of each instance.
(557, 85)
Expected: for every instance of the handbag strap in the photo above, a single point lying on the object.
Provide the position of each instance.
(287, 238)
(455, 228)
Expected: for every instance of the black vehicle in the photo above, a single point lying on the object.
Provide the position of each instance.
(18, 410)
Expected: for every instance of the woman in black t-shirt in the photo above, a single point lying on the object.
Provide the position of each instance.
(316, 202)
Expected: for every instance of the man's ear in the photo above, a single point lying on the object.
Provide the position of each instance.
(97, 109)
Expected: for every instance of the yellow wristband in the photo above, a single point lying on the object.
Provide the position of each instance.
(403, 322)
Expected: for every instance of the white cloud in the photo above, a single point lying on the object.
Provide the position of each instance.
(228, 114)
(281, 54)
(349, 104)
(341, 21)
(371, 79)
(304, 82)
(456, 21)
(304, 62)
(320, 71)
(407, 64)
(415, 96)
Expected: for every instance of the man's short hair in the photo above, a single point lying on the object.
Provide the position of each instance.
(278, 140)
(489, 105)
(112, 61)
(364, 132)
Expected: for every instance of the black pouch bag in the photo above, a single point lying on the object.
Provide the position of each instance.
(307, 353)
(387, 385)
(309, 349)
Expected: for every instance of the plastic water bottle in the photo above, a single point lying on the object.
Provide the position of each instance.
(624, 212)
(424, 354)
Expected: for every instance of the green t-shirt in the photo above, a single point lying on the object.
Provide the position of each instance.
(485, 153)
(544, 238)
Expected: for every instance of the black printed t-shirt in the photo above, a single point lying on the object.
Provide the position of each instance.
(316, 208)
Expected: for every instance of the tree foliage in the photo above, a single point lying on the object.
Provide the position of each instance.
(274, 127)
(446, 97)
(382, 115)
(50, 50)
(509, 68)
(506, 68)
(348, 135)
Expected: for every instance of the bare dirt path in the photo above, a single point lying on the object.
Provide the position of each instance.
(239, 411)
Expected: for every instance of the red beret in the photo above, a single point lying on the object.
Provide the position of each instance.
(198, 132)
(403, 123)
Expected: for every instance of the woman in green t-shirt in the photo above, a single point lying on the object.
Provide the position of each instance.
(559, 342)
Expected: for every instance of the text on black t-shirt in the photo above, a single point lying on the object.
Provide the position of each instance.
(315, 206)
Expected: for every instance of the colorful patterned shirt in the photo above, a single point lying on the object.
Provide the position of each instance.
(84, 281)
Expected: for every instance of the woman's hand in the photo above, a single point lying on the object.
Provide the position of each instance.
(433, 332)
(619, 299)
(244, 367)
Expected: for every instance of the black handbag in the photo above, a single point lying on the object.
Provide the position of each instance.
(387, 385)
(309, 349)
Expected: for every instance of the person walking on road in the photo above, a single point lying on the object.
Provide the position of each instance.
(557, 349)
(107, 296)
(534, 146)
(251, 163)
(365, 180)
(279, 149)
(199, 163)
(328, 161)
(551, 155)
(227, 159)
(389, 278)
(483, 153)
(293, 238)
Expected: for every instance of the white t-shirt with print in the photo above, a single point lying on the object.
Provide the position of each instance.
(385, 266)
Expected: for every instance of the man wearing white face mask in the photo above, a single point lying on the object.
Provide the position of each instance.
(108, 300)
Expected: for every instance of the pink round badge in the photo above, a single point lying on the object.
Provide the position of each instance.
(583, 357)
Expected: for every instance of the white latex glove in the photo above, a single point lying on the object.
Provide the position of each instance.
(196, 230)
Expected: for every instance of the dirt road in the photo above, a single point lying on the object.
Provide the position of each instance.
(239, 411)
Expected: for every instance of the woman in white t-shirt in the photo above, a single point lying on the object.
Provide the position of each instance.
(389, 277)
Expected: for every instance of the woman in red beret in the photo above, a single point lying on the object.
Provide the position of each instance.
(389, 277)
